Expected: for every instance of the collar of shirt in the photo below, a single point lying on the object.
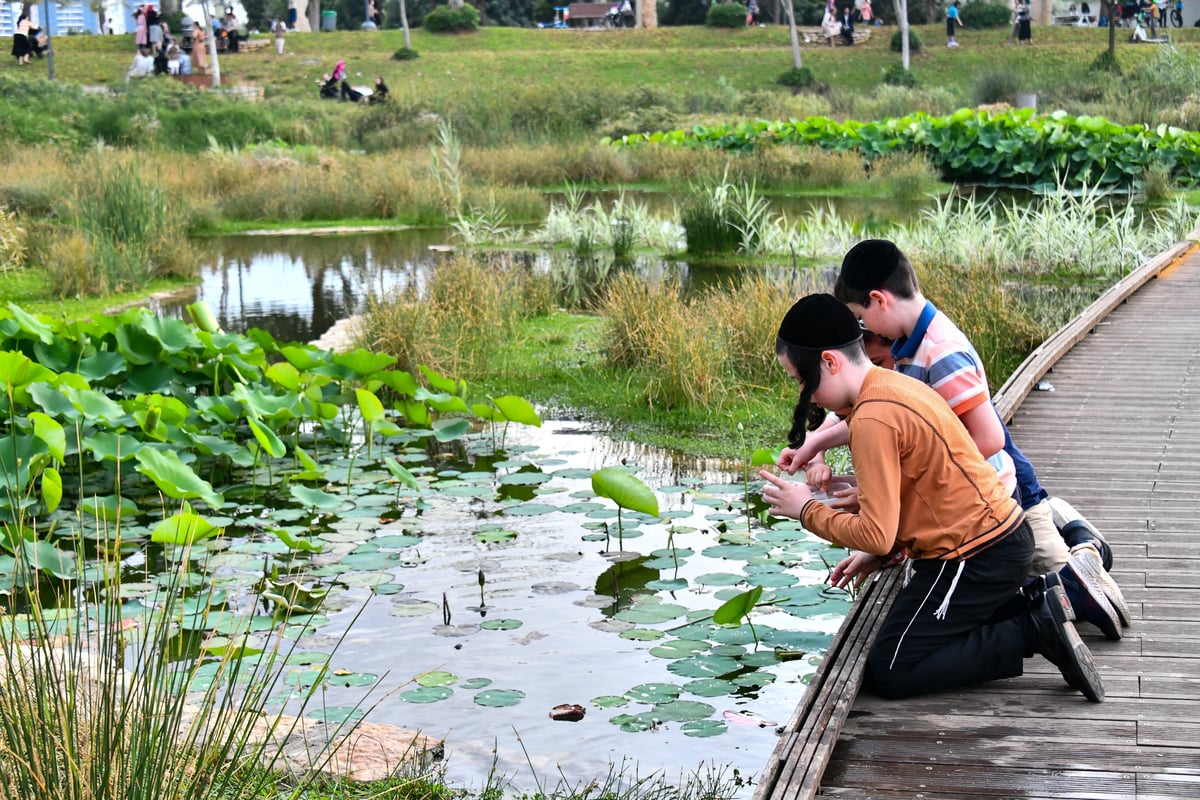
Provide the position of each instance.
(906, 347)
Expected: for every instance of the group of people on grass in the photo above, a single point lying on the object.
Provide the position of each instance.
(997, 571)
(161, 53)
(28, 39)
(335, 86)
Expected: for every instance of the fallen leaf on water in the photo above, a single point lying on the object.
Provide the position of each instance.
(747, 718)
(568, 712)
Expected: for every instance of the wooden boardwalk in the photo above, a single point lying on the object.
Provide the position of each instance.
(1119, 437)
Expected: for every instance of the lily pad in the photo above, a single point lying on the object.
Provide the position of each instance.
(671, 585)
(476, 683)
(651, 613)
(349, 678)
(653, 692)
(642, 634)
(703, 728)
(501, 624)
(529, 510)
(683, 710)
(499, 698)
(610, 701)
(710, 687)
(336, 715)
(679, 648)
(494, 536)
(426, 694)
(436, 678)
(719, 579)
(704, 666)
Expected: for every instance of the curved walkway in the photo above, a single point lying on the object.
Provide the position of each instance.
(1113, 427)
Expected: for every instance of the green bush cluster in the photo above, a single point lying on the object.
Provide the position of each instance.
(405, 54)
(444, 19)
(986, 15)
(726, 15)
(914, 41)
(797, 76)
(897, 75)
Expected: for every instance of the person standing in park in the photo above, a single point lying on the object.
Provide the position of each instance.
(279, 28)
(953, 23)
(927, 496)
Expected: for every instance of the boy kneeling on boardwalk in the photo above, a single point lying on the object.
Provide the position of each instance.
(925, 493)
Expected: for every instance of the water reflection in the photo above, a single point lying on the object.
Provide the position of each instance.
(296, 287)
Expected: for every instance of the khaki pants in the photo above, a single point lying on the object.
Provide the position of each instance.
(1050, 552)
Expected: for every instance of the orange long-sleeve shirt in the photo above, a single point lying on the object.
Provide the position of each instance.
(922, 485)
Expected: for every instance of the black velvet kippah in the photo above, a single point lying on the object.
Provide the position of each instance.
(869, 263)
(819, 322)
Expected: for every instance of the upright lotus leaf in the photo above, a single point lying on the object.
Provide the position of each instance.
(518, 409)
(765, 457)
(52, 490)
(415, 412)
(138, 345)
(315, 498)
(45, 557)
(267, 439)
(284, 375)
(738, 607)
(16, 454)
(31, 324)
(487, 413)
(441, 383)
(52, 401)
(447, 430)
(398, 381)
(183, 528)
(400, 473)
(173, 335)
(99, 366)
(625, 489)
(310, 469)
(369, 406)
(51, 433)
(297, 544)
(442, 402)
(278, 409)
(363, 362)
(173, 477)
(96, 406)
(17, 371)
(304, 358)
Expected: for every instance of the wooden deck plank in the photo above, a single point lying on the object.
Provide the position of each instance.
(1122, 443)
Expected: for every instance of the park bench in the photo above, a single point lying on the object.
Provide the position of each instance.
(587, 15)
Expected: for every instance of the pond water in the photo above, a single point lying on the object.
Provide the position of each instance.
(617, 624)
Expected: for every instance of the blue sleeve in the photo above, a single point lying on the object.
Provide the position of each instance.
(1031, 490)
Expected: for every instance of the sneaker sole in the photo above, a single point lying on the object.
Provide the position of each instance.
(1108, 587)
(1063, 512)
(1081, 672)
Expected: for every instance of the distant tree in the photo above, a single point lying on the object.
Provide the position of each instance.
(685, 12)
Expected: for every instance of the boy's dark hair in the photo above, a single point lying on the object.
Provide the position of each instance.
(875, 265)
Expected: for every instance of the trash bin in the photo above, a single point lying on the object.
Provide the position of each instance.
(328, 20)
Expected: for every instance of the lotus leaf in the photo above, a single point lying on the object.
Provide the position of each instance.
(499, 698)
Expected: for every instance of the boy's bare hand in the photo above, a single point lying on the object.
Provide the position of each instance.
(793, 459)
(817, 474)
(785, 498)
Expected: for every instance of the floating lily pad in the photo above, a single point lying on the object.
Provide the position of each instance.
(739, 635)
(580, 508)
(704, 666)
(348, 678)
(754, 680)
(455, 630)
(574, 472)
(396, 541)
(736, 552)
(653, 692)
(367, 561)
(414, 608)
(662, 562)
(336, 715)
(529, 510)
(763, 658)
(642, 634)
(476, 683)
(772, 580)
(388, 588)
(554, 587)
(695, 631)
(609, 701)
(679, 648)
(671, 585)
(499, 698)
(703, 728)
(466, 490)
(635, 723)
(651, 613)
(501, 624)
(678, 552)
(426, 694)
(710, 687)
(731, 650)
(683, 710)
(494, 536)
(719, 579)
(523, 479)
(436, 678)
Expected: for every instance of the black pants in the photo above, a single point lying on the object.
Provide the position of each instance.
(917, 653)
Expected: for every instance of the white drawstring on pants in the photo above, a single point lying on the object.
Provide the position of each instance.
(941, 611)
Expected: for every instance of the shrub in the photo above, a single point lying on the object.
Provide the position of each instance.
(444, 19)
(986, 15)
(996, 86)
(914, 41)
(801, 77)
(405, 54)
(1105, 62)
(726, 15)
(897, 75)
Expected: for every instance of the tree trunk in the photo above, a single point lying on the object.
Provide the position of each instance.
(901, 7)
(1112, 27)
(404, 25)
(313, 12)
(791, 18)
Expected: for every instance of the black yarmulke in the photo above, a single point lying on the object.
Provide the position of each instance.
(869, 263)
(819, 322)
